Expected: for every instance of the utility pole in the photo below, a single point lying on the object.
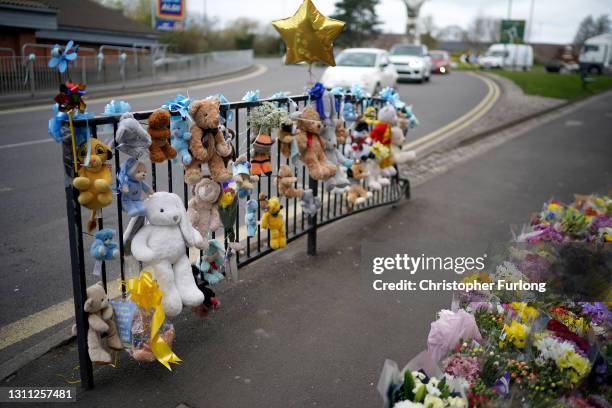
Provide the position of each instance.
(530, 21)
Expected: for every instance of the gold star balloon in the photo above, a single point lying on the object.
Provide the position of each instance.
(309, 35)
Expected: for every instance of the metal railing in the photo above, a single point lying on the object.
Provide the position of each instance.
(169, 177)
(29, 75)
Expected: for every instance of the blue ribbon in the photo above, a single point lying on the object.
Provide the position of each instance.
(280, 95)
(116, 108)
(54, 126)
(226, 114)
(316, 94)
(251, 96)
(357, 92)
(179, 104)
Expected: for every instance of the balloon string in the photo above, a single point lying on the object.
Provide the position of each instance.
(310, 75)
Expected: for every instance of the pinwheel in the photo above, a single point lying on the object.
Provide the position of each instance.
(70, 97)
(60, 58)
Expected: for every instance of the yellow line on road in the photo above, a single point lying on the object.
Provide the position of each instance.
(35, 323)
(260, 69)
(460, 123)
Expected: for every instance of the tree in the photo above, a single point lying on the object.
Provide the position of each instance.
(361, 21)
(483, 29)
(589, 27)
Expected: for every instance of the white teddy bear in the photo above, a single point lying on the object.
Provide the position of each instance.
(160, 245)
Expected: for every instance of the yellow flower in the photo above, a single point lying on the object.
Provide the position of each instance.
(525, 312)
(481, 277)
(554, 207)
(578, 363)
(516, 333)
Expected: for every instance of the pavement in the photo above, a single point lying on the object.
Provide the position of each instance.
(300, 331)
(35, 297)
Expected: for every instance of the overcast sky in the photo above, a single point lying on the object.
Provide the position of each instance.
(555, 21)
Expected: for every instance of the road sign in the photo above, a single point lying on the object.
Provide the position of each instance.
(512, 31)
(169, 15)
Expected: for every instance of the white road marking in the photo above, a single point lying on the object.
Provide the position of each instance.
(22, 144)
(260, 69)
(573, 123)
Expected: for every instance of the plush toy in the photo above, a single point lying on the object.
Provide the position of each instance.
(211, 263)
(310, 204)
(202, 207)
(375, 176)
(159, 129)
(369, 115)
(100, 320)
(341, 133)
(160, 245)
(210, 299)
(349, 112)
(357, 194)
(228, 209)
(311, 145)
(273, 220)
(94, 181)
(360, 142)
(207, 144)
(103, 247)
(132, 184)
(260, 155)
(285, 182)
(241, 169)
(180, 137)
(386, 119)
(131, 138)
(397, 141)
(250, 218)
(263, 201)
(286, 139)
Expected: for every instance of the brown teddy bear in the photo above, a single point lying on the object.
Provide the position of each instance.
(357, 194)
(207, 144)
(285, 183)
(285, 138)
(311, 145)
(340, 132)
(202, 207)
(100, 321)
(160, 149)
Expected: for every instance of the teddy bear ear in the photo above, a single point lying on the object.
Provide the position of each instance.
(194, 107)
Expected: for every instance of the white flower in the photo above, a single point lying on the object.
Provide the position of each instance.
(434, 381)
(408, 404)
(433, 402)
(432, 389)
(457, 402)
(419, 375)
(457, 384)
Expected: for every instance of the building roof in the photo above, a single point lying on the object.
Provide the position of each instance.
(89, 15)
(24, 4)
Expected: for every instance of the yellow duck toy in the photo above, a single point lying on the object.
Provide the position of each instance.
(94, 180)
(272, 220)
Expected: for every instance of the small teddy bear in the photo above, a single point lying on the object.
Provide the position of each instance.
(341, 133)
(260, 155)
(311, 146)
(94, 180)
(207, 144)
(211, 263)
(202, 208)
(309, 203)
(286, 139)
(241, 169)
(159, 129)
(273, 220)
(103, 247)
(357, 194)
(285, 183)
(131, 138)
(132, 184)
(179, 138)
(250, 217)
(100, 320)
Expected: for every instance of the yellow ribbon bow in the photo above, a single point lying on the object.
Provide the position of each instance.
(146, 294)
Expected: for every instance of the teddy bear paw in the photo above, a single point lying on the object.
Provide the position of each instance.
(85, 198)
(100, 356)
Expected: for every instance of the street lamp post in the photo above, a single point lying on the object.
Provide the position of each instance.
(413, 7)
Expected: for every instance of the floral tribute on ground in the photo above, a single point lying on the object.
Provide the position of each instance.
(521, 349)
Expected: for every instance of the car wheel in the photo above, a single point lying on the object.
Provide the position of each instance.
(594, 70)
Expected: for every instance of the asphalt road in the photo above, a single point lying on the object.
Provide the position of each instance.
(34, 255)
(300, 331)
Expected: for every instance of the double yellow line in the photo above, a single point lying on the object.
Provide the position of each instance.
(425, 144)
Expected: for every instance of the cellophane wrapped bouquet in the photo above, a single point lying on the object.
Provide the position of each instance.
(503, 349)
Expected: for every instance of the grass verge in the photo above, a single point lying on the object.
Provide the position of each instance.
(559, 86)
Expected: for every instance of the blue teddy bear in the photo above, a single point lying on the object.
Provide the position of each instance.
(180, 137)
(211, 263)
(103, 247)
(250, 218)
(133, 187)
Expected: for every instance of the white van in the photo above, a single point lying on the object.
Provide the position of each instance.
(513, 56)
(596, 54)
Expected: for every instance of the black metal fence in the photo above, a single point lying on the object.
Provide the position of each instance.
(169, 177)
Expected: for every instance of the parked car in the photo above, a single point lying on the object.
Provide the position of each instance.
(512, 56)
(368, 67)
(411, 61)
(440, 62)
(596, 54)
